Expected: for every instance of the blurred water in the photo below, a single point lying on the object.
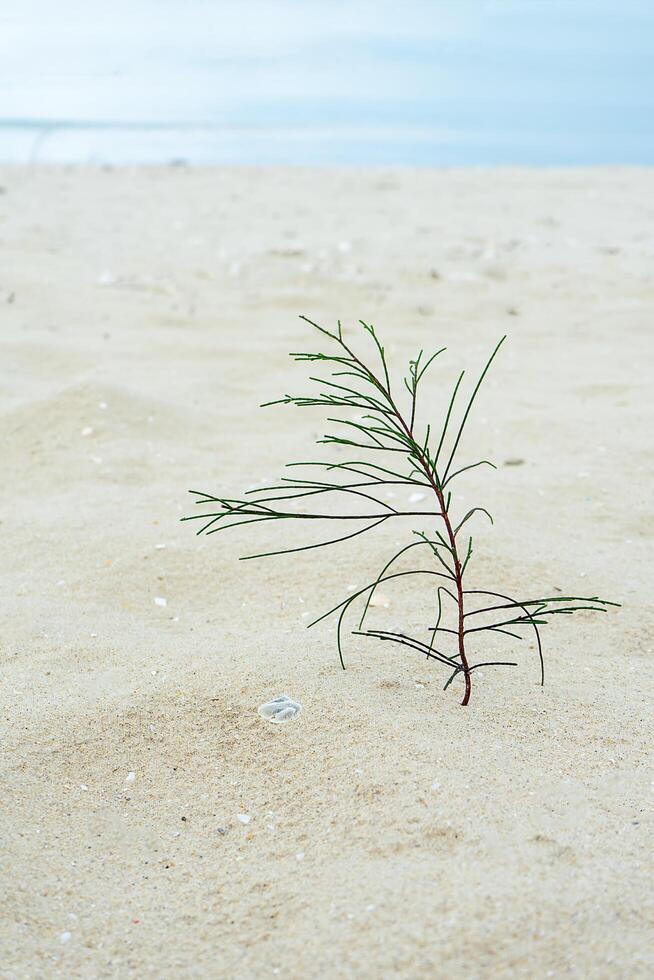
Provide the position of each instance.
(479, 82)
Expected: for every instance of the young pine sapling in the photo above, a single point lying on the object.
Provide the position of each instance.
(422, 458)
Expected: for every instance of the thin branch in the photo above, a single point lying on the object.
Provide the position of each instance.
(407, 641)
(321, 544)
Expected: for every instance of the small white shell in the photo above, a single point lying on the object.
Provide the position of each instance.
(280, 709)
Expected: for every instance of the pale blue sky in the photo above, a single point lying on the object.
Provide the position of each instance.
(549, 82)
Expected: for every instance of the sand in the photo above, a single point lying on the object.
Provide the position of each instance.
(144, 315)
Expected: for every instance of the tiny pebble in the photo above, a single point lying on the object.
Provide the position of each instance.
(160, 601)
(87, 430)
(243, 817)
(299, 856)
(130, 777)
(64, 937)
(159, 547)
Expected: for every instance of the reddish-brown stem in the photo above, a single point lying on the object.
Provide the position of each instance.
(459, 590)
(458, 577)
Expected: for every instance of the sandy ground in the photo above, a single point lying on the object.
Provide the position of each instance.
(144, 315)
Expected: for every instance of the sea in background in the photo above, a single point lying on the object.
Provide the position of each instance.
(456, 82)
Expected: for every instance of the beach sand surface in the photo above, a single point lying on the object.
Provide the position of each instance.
(153, 824)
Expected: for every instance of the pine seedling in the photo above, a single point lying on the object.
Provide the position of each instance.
(376, 427)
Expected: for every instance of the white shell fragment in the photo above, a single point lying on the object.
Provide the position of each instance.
(380, 600)
(280, 709)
